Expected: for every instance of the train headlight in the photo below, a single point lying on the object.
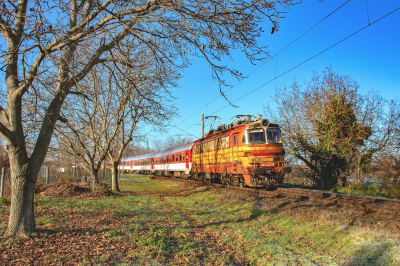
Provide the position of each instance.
(264, 122)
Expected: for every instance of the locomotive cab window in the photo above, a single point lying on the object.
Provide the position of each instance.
(260, 136)
(254, 136)
(274, 135)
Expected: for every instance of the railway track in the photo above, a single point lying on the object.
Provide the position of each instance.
(358, 204)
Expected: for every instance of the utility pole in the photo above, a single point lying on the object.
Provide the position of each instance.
(147, 145)
(202, 126)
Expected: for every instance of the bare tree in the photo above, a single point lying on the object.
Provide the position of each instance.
(331, 128)
(43, 36)
(150, 104)
(102, 123)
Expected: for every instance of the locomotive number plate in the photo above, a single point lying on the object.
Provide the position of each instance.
(267, 164)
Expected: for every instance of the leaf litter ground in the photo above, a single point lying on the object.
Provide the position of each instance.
(170, 222)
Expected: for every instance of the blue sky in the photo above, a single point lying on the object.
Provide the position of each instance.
(371, 57)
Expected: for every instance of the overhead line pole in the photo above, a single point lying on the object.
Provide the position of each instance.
(202, 126)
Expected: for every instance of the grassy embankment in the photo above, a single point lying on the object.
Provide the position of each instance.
(374, 190)
(200, 227)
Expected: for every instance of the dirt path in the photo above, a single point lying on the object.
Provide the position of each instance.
(207, 238)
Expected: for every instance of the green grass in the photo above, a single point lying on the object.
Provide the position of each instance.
(160, 230)
(142, 183)
(268, 237)
(370, 190)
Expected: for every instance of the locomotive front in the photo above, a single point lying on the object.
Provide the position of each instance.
(262, 155)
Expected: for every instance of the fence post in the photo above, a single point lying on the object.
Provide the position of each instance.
(3, 173)
(47, 175)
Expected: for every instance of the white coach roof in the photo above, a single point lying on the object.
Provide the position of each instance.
(161, 153)
(175, 149)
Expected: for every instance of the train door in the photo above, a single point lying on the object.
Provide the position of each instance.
(235, 147)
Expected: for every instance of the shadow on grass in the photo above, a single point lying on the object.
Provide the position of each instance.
(374, 254)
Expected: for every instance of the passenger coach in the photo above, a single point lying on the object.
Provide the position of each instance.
(171, 162)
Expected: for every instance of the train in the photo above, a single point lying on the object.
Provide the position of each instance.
(247, 152)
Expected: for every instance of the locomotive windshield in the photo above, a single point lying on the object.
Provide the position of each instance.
(258, 136)
(254, 136)
(274, 135)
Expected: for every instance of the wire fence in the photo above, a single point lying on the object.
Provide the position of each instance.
(50, 175)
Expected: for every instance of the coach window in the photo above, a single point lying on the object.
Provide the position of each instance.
(187, 157)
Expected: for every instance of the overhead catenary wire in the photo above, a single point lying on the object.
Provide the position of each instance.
(305, 61)
(269, 59)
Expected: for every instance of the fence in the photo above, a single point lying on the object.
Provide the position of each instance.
(71, 174)
(51, 175)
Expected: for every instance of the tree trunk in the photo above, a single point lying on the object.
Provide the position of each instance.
(23, 179)
(114, 177)
(94, 178)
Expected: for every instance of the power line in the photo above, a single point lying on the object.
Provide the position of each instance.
(351, 35)
(185, 131)
(269, 59)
